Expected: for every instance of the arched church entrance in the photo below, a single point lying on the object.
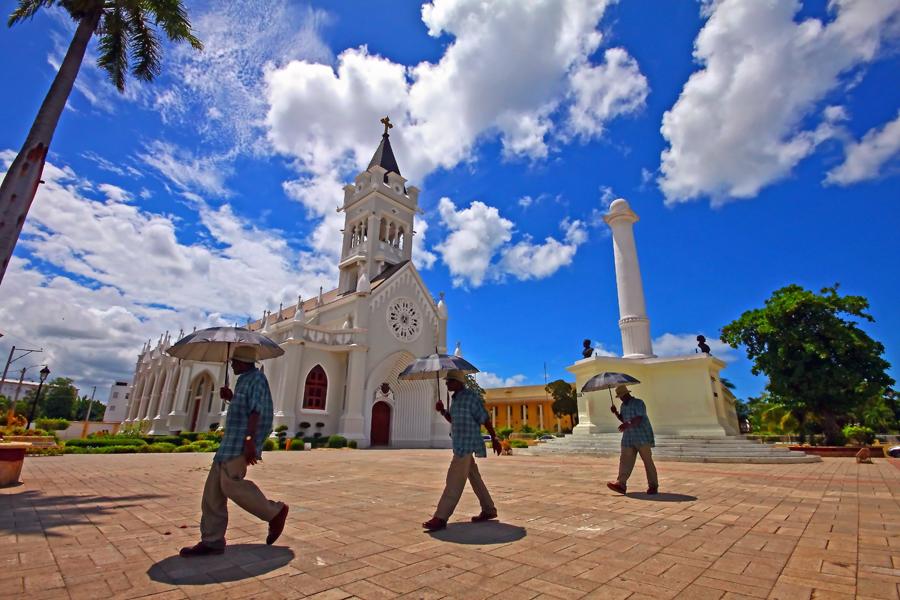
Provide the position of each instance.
(381, 424)
(200, 393)
(411, 403)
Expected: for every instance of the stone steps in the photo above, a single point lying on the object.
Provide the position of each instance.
(677, 448)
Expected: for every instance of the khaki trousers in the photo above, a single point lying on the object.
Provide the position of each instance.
(226, 482)
(626, 464)
(461, 469)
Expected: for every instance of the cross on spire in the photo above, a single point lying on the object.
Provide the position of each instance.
(386, 121)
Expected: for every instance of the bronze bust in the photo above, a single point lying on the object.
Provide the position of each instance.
(701, 343)
(587, 351)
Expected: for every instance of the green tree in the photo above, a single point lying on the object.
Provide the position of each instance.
(565, 401)
(128, 41)
(818, 361)
(98, 409)
(58, 399)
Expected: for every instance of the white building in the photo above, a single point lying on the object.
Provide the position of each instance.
(9, 388)
(340, 347)
(117, 402)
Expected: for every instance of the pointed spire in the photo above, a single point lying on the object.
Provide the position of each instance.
(280, 310)
(319, 300)
(384, 155)
(458, 350)
(298, 314)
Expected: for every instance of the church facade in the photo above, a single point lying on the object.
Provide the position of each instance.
(343, 349)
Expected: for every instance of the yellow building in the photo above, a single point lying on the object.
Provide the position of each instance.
(518, 405)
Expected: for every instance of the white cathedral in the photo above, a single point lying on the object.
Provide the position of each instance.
(343, 349)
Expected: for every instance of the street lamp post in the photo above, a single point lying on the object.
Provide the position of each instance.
(44, 373)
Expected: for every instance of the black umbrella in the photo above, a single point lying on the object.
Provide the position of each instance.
(215, 344)
(436, 366)
(607, 381)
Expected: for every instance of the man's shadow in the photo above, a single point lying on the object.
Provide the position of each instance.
(661, 497)
(241, 561)
(488, 532)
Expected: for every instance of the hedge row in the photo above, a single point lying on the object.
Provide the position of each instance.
(104, 442)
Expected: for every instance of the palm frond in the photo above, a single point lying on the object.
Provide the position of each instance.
(114, 35)
(27, 9)
(173, 19)
(143, 44)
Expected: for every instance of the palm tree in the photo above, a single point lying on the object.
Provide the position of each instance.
(128, 41)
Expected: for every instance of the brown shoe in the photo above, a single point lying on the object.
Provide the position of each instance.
(616, 486)
(276, 525)
(200, 549)
(485, 516)
(652, 490)
(434, 524)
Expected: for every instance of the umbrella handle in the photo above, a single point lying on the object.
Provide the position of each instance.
(227, 356)
(611, 403)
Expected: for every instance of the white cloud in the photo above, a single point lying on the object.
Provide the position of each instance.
(605, 91)
(507, 72)
(678, 344)
(422, 258)
(114, 193)
(525, 201)
(487, 380)
(242, 40)
(189, 173)
(739, 123)
(111, 275)
(601, 350)
(865, 159)
(478, 234)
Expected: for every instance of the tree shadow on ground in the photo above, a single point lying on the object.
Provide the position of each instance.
(241, 561)
(489, 532)
(661, 497)
(36, 512)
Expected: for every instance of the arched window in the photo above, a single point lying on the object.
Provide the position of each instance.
(316, 388)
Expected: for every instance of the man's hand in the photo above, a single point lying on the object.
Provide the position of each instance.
(495, 444)
(439, 406)
(624, 426)
(249, 452)
(225, 393)
(613, 410)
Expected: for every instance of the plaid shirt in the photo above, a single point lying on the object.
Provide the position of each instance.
(467, 414)
(251, 394)
(639, 435)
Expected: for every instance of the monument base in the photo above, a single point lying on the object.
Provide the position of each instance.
(683, 394)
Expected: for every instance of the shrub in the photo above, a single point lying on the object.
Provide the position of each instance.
(352, 444)
(161, 447)
(518, 443)
(186, 448)
(859, 434)
(52, 424)
(269, 444)
(296, 444)
(337, 441)
(503, 432)
(105, 442)
(25, 432)
(526, 428)
(163, 439)
(191, 436)
(204, 446)
(54, 451)
(316, 442)
(281, 428)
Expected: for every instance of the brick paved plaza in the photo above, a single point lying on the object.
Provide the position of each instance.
(110, 526)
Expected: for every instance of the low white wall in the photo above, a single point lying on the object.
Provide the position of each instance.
(77, 427)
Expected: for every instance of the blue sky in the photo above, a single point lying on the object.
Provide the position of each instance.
(758, 142)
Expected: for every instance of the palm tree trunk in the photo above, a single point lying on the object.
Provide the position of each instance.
(24, 175)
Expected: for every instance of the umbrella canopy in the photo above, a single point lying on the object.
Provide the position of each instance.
(435, 366)
(607, 381)
(215, 344)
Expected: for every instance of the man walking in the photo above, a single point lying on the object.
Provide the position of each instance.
(637, 438)
(466, 416)
(247, 425)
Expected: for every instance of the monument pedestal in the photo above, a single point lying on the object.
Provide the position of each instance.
(683, 395)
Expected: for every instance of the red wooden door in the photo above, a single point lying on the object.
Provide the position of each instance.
(381, 424)
(197, 402)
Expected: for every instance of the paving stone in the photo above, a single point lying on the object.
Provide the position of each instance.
(109, 526)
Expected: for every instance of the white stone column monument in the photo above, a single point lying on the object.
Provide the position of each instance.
(633, 321)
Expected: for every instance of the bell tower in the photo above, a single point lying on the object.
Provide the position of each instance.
(378, 210)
